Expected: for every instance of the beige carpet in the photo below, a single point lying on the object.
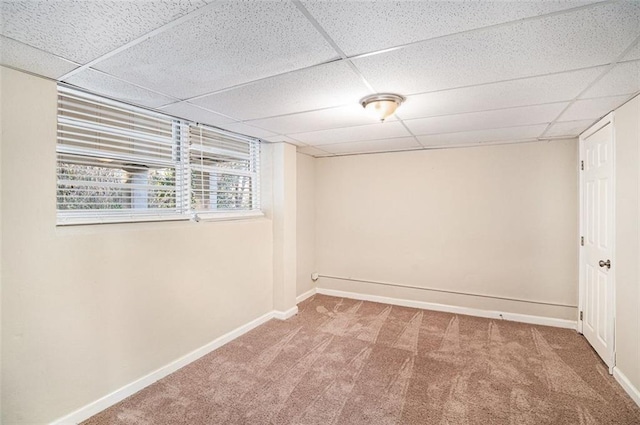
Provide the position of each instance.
(342, 361)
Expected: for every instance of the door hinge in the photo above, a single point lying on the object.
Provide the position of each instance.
(581, 240)
(580, 315)
(582, 165)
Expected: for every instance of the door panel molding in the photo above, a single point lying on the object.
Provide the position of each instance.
(598, 320)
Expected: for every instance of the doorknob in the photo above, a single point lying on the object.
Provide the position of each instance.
(606, 264)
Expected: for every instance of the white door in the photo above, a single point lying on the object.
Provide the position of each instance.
(597, 288)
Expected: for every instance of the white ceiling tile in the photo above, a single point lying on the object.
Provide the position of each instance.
(634, 53)
(231, 43)
(333, 84)
(353, 134)
(568, 128)
(310, 150)
(84, 30)
(283, 138)
(592, 108)
(19, 55)
(365, 26)
(401, 143)
(528, 91)
(194, 113)
(553, 44)
(248, 130)
(344, 116)
(527, 115)
(624, 78)
(106, 85)
(529, 132)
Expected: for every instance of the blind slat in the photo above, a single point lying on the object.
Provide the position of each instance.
(117, 119)
(115, 131)
(92, 157)
(80, 97)
(62, 131)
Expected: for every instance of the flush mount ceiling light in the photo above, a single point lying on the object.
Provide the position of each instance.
(382, 105)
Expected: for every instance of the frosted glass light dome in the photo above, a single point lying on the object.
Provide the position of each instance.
(382, 105)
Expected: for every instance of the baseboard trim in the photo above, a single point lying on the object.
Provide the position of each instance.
(284, 315)
(514, 317)
(310, 293)
(109, 400)
(118, 395)
(624, 382)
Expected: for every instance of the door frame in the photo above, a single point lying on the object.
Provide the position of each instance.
(607, 120)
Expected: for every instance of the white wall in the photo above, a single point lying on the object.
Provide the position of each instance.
(306, 232)
(88, 309)
(497, 220)
(627, 257)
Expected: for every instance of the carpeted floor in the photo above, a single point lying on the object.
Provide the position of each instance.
(342, 361)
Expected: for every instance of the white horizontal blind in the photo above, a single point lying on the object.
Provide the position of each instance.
(224, 171)
(117, 162)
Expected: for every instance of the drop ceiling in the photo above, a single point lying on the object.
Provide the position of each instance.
(473, 72)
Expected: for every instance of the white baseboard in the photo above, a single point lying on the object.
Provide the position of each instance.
(624, 382)
(515, 317)
(311, 292)
(109, 400)
(284, 315)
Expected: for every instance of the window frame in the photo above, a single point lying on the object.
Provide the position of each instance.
(253, 157)
(180, 161)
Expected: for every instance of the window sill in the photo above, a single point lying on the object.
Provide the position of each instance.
(224, 216)
(70, 220)
(80, 221)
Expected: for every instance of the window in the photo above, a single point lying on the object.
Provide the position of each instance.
(223, 170)
(119, 163)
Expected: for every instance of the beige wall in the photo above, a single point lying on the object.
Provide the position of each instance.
(86, 310)
(627, 255)
(306, 235)
(284, 225)
(497, 220)
(1, 137)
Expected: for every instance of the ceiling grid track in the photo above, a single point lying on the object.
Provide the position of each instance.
(597, 82)
(439, 147)
(248, 83)
(301, 7)
(322, 31)
(348, 59)
(409, 95)
(608, 69)
(177, 100)
(145, 37)
(298, 4)
(397, 118)
(480, 29)
(44, 51)
(509, 80)
(344, 57)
